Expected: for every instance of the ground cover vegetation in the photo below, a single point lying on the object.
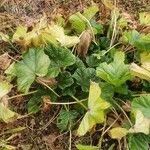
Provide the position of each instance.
(94, 77)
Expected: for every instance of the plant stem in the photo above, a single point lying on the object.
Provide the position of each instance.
(20, 95)
(50, 88)
(67, 103)
(124, 113)
(79, 102)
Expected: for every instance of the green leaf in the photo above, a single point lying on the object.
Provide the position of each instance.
(6, 114)
(66, 119)
(65, 80)
(144, 18)
(53, 71)
(115, 73)
(34, 104)
(69, 91)
(97, 27)
(107, 91)
(118, 133)
(123, 89)
(35, 63)
(90, 12)
(92, 61)
(60, 57)
(143, 43)
(86, 147)
(140, 41)
(142, 103)
(138, 142)
(77, 23)
(5, 88)
(130, 37)
(96, 110)
(83, 77)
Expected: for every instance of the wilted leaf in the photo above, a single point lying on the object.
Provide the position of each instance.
(86, 147)
(96, 110)
(144, 18)
(83, 77)
(35, 63)
(4, 61)
(118, 132)
(6, 114)
(142, 104)
(142, 124)
(85, 41)
(108, 4)
(115, 73)
(139, 72)
(5, 88)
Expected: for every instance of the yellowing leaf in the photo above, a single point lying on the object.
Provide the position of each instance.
(20, 33)
(95, 113)
(65, 40)
(86, 147)
(142, 124)
(5, 87)
(108, 4)
(4, 37)
(118, 132)
(90, 12)
(6, 114)
(145, 60)
(139, 72)
(144, 18)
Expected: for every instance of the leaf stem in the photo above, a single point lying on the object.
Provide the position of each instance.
(141, 94)
(67, 103)
(20, 95)
(124, 113)
(110, 49)
(50, 88)
(79, 102)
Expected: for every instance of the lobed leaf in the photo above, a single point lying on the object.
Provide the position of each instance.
(35, 63)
